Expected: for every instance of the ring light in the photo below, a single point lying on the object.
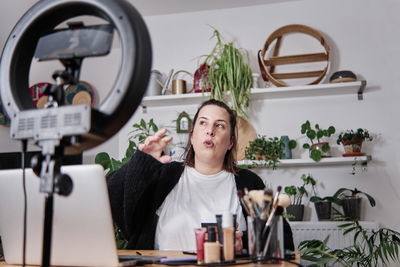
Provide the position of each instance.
(128, 88)
(59, 129)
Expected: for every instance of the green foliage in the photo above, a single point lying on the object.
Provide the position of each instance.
(229, 72)
(292, 144)
(331, 199)
(296, 193)
(266, 149)
(350, 137)
(314, 135)
(346, 192)
(375, 248)
(121, 241)
(141, 130)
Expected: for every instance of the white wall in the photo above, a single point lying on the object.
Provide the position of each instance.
(363, 36)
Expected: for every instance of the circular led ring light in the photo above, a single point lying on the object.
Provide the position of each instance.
(131, 81)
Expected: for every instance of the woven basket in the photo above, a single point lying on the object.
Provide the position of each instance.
(267, 65)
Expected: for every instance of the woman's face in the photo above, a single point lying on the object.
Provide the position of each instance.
(211, 137)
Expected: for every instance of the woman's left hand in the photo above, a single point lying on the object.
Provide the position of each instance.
(239, 242)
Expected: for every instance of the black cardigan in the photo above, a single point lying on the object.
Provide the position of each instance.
(139, 188)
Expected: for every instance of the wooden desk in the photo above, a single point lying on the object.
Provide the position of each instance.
(178, 254)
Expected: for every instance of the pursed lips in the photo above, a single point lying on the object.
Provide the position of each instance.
(208, 143)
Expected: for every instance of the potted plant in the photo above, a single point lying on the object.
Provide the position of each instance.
(350, 200)
(296, 193)
(323, 206)
(369, 248)
(317, 148)
(352, 141)
(141, 130)
(229, 71)
(264, 149)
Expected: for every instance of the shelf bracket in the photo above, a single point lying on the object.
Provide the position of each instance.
(361, 90)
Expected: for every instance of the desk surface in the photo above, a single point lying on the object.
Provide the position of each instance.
(177, 254)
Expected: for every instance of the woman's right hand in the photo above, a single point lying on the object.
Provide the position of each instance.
(155, 144)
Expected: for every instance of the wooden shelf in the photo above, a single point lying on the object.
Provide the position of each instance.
(356, 88)
(310, 162)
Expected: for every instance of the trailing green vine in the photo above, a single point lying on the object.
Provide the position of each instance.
(229, 72)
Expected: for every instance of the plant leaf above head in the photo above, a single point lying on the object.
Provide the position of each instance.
(316, 155)
(325, 147)
(143, 123)
(292, 144)
(228, 71)
(311, 134)
(320, 134)
(306, 146)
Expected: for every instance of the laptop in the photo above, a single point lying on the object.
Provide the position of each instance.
(83, 232)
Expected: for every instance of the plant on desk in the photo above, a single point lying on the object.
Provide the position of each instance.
(141, 130)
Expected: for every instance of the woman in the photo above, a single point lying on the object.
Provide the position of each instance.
(158, 203)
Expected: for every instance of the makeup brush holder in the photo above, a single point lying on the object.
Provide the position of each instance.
(259, 225)
(265, 244)
(275, 249)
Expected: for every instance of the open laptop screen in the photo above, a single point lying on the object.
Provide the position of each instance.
(83, 232)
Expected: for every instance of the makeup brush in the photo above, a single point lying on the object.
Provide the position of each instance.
(267, 229)
(249, 204)
(266, 202)
(244, 204)
(283, 200)
(257, 197)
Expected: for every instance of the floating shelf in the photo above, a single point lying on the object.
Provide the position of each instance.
(356, 87)
(309, 162)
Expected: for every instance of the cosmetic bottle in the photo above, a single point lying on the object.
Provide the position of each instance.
(219, 228)
(211, 247)
(200, 234)
(229, 236)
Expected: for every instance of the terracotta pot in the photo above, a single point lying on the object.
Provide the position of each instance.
(352, 146)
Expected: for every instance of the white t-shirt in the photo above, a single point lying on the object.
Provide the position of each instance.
(195, 199)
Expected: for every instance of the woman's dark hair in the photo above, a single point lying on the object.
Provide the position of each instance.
(229, 160)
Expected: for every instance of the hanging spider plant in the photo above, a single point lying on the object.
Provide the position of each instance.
(228, 71)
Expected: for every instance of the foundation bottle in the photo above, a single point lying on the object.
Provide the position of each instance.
(211, 247)
(229, 236)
